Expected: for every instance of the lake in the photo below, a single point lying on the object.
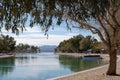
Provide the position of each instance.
(42, 66)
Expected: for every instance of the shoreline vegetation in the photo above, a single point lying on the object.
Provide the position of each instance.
(81, 44)
(98, 73)
(8, 45)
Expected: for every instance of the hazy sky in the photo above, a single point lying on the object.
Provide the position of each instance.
(34, 36)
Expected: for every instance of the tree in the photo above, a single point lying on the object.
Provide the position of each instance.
(71, 45)
(34, 49)
(78, 44)
(25, 48)
(7, 44)
(83, 44)
(86, 43)
(103, 13)
(75, 42)
(97, 46)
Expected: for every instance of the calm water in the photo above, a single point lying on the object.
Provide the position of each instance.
(42, 66)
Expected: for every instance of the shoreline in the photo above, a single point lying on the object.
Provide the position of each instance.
(103, 56)
(6, 56)
(97, 73)
(67, 77)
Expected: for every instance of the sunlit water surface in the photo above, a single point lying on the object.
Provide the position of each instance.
(42, 66)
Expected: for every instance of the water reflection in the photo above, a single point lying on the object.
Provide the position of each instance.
(42, 66)
(6, 66)
(22, 59)
(77, 64)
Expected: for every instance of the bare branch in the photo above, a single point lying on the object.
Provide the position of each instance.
(105, 30)
(108, 22)
(93, 30)
(112, 15)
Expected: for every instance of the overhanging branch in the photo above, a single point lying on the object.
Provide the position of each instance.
(112, 14)
(97, 32)
(93, 30)
(105, 30)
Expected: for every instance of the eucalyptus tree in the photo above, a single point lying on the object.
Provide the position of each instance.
(95, 15)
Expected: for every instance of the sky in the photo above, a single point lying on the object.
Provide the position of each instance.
(35, 36)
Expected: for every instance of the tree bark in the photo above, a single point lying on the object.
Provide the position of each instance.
(112, 62)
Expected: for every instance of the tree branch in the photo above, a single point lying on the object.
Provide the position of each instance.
(105, 30)
(97, 31)
(93, 30)
(108, 22)
(112, 15)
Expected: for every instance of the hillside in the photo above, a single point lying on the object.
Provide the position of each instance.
(47, 48)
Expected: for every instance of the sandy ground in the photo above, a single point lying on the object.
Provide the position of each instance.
(98, 73)
(6, 56)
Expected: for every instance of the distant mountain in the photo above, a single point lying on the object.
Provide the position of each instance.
(47, 48)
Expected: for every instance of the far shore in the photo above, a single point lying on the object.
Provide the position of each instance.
(6, 55)
(103, 56)
(98, 73)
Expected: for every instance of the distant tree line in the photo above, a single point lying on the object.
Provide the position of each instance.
(8, 45)
(80, 43)
(25, 48)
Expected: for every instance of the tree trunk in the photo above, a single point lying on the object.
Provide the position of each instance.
(112, 63)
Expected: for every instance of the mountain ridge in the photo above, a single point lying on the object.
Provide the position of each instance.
(47, 48)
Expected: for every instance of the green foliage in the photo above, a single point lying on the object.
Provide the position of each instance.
(14, 13)
(71, 45)
(85, 43)
(79, 44)
(7, 44)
